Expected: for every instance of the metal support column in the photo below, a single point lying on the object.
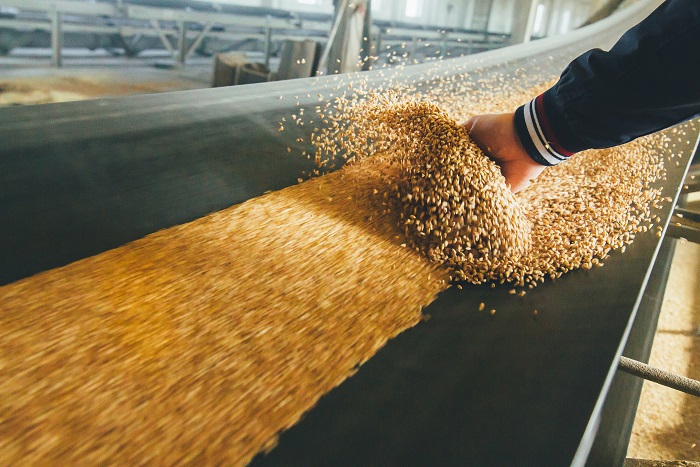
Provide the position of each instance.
(268, 43)
(365, 58)
(523, 21)
(323, 64)
(443, 44)
(56, 38)
(182, 43)
(377, 48)
(414, 47)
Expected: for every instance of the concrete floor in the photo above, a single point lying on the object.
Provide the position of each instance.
(26, 60)
(668, 422)
(44, 84)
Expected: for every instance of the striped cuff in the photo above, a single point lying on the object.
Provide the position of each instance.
(536, 134)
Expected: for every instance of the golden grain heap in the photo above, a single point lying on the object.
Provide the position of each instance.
(201, 343)
(456, 208)
(453, 201)
(198, 344)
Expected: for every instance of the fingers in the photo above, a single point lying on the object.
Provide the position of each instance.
(469, 124)
(495, 135)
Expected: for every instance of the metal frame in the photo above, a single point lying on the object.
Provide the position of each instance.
(570, 352)
(56, 37)
(685, 223)
(190, 29)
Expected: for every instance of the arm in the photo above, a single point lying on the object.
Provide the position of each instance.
(648, 81)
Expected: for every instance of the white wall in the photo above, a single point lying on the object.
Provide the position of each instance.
(559, 15)
(319, 6)
(501, 19)
(425, 12)
(450, 13)
(562, 16)
(383, 9)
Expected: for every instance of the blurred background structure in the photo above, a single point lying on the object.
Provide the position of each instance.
(69, 50)
(178, 32)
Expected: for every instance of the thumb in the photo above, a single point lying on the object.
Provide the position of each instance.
(469, 124)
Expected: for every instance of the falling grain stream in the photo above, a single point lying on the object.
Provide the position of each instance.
(200, 342)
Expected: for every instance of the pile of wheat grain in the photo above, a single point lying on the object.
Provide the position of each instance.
(456, 208)
(200, 343)
(453, 201)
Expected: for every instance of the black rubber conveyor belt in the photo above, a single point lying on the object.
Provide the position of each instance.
(77, 179)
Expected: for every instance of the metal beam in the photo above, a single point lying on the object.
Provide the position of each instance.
(33, 25)
(659, 376)
(13, 40)
(414, 47)
(163, 37)
(163, 21)
(688, 214)
(680, 231)
(182, 42)
(691, 186)
(165, 14)
(268, 44)
(56, 39)
(198, 40)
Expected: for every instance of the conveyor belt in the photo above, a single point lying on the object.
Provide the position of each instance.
(77, 179)
(121, 168)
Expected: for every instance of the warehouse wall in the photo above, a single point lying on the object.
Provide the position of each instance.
(553, 16)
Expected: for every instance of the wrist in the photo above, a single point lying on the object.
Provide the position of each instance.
(537, 136)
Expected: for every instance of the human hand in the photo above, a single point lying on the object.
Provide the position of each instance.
(495, 134)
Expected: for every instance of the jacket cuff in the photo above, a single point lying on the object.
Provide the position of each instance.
(536, 134)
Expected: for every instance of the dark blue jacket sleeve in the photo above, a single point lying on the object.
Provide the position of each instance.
(648, 81)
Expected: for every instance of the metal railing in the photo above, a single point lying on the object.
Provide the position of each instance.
(183, 28)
